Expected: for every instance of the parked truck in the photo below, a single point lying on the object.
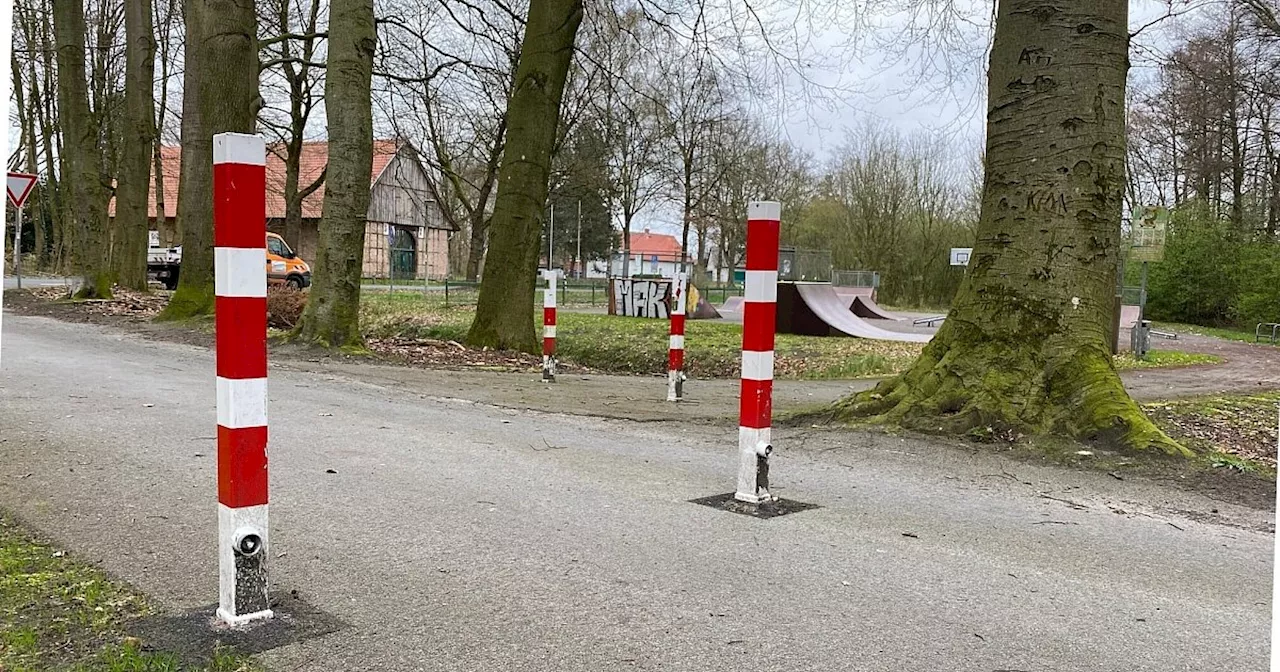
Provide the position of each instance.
(283, 267)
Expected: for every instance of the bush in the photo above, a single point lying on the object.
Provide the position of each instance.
(1259, 296)
(284, 306)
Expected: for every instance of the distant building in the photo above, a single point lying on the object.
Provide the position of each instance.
(400, 206)
(656, 254)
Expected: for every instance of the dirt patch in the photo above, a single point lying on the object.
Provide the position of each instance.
(1246, 369)
(452, 355)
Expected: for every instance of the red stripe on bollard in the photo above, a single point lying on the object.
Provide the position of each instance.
(762, 245)
(238, 206)
(755, 404)
(241, 337)
(242, 466)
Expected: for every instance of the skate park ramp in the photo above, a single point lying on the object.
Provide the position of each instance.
(851, 293)
(815, 309)
(732, 304)
(1129, 316)
(866, 308)
(698, 308)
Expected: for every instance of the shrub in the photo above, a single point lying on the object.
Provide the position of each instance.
(284, 306)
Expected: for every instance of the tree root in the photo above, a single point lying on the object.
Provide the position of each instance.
(188, 302)
(987, 391)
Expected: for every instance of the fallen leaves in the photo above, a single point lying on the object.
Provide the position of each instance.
(1243, 426)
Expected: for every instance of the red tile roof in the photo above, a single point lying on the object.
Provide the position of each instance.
(315, 156)
(661, 244)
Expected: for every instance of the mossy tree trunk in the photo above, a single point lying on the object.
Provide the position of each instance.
(130, 259)
(504, 311)
(220, 95)
(332, 315)
(1024, 349)
(88, 195)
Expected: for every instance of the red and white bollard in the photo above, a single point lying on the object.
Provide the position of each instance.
(755, 411)
(549, 327)
(675, 351)
(240, 288)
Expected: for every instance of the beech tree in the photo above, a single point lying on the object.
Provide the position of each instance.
(332, 315)
(219, 95)
(1025, 346)
(504, 309)
(80, 154)
(130, 258)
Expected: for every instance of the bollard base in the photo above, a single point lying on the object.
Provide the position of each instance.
(244, 619)
(771, 508)
(195, 636)
(675, 385)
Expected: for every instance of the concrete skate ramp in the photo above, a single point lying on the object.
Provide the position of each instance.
(852, 292)
(732, 304)
(814, 309)
(1129, 316)
(703, 310)
(866, 308)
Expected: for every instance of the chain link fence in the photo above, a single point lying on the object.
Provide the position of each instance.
(855, 278)
(800, 265)
(570, 294)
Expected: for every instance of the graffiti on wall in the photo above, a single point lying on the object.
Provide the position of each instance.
(640, 298)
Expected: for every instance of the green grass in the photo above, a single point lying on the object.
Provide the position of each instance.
(1225, 333)
(638, 346)
(1164, 358)
(57, 613)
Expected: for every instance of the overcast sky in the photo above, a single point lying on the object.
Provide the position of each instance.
(860, 72)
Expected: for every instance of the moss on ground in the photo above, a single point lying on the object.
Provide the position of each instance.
(57, 613)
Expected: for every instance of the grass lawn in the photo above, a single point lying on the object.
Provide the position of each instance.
(1231, 432)
(57, 613)
(1216, 332)
(625, 345)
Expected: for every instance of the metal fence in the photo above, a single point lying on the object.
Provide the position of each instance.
(571, 293)
(800, 265)
(855, 278)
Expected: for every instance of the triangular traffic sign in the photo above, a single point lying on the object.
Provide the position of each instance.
(20, 185)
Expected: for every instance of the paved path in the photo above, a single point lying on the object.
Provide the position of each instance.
(458, 536)
(28, 282)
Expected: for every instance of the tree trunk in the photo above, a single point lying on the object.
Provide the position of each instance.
(504, 312)
(479, 225)
(88, 195)
(220, 95)
(332, 315)
(1025, 347)
(292, 203)
(25, 132)
(157, 146)
(135, 162)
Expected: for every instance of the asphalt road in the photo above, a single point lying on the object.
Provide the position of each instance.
(459, 536)
(28, 282)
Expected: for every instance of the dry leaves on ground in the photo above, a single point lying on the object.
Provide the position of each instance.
(438, 354)
(124, 302)
(1237, 425)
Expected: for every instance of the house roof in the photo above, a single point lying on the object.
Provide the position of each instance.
(661, 244)
(315, 156)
